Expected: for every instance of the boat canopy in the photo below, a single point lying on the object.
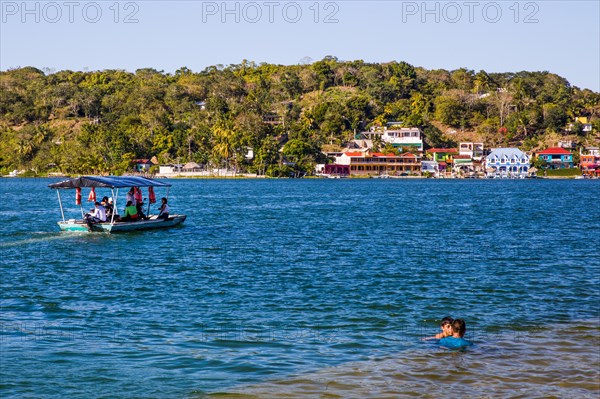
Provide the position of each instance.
(108, 182)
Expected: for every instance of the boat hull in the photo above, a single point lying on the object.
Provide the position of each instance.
(152, 223)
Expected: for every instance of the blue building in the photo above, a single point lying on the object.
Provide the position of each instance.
(556, 158)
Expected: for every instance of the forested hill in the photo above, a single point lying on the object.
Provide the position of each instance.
(97, 122)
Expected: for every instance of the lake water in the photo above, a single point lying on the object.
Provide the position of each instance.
(307, 288)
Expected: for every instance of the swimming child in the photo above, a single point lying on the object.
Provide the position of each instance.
(446, 327)
(456, 341)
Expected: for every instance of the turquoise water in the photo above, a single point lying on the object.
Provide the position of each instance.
(272, 287)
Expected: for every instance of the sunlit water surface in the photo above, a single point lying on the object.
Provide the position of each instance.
(307, 288)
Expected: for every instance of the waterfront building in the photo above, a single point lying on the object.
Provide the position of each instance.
(473, 150)
(336, 170)
(589, 161)
(463, 164)
(443, 157)
(507, 163)
(142, 165)
(376, 163)
(556, 158)
(431, 167)
(169, 169)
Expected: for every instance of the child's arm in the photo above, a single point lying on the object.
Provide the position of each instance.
(436, 336)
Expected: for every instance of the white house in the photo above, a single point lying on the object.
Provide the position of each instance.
(431, 167)
(410, 137)
(166, 169)
(404, 137)
(474, 150)
(507, 163)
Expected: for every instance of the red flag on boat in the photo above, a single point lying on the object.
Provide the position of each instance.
(78, 196)
(92, 196)
(151, 196)
(138, 195)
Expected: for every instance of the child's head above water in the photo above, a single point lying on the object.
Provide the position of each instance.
(459, 327)
(446, 325)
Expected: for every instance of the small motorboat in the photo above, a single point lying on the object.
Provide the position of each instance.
(114, 183)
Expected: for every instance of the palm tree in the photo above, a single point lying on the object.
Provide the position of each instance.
(224, 137)
(24, 150)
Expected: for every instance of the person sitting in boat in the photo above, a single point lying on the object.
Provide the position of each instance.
(164, 209)
(96, 215)
(138, 201)
(108, 206)
(112, 208)
(131, 214)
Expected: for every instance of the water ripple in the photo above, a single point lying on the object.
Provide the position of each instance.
(311, 288)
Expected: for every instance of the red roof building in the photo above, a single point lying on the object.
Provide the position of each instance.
(554, 151)
(556, 158)
(142, 165)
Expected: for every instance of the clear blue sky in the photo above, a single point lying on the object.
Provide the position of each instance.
(562, 37)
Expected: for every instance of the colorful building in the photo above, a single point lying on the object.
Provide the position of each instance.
(442, 154)
(507, 163)
(556, 158)
(589, 161)
(443, 157)
(142, 165)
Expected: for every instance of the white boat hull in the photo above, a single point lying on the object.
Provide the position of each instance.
(152, 223)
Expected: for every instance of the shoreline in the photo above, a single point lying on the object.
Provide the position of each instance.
(242, 177)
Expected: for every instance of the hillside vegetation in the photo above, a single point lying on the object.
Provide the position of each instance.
(97, 122)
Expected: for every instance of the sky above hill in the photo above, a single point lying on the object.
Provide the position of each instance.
(561, 37)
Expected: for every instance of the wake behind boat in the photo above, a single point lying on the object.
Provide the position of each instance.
(115, 224)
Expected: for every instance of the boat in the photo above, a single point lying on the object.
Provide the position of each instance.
(114, 183)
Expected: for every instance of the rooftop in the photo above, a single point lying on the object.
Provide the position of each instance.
(447, 150)
(554, 151)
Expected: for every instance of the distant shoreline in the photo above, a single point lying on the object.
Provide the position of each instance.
(263, 177)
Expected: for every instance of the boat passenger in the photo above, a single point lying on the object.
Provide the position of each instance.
(139, 202)
(456, 341)
(112, 207)
(164, 209)
(108, 206)
(96, 215)
(131, 214)
(130, 196)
